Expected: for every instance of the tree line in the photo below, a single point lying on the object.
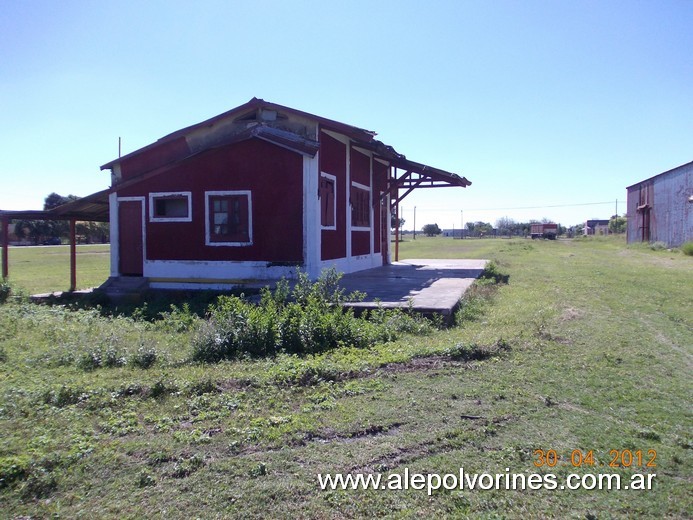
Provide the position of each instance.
(55, 231)
(507, 227)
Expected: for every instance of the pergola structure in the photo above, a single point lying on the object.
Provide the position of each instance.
(417, 176)
(413, 176)
(92, 208)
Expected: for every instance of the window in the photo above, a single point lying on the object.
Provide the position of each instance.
(229, 218)
(170, 207)
(327, 193)
(360, 206)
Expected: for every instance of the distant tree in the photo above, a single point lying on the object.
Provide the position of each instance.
(482, 228)
(505, 226)
(523, 228)
(617, 225)
(92, 232)
(40, 230)
(53, 200)
(431, 230)
(37, 230)
(44, 229)
(393, 222)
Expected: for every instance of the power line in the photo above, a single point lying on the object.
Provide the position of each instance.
(527, 207)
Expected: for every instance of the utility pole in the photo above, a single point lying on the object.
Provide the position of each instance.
(414, 222)
(461, 224)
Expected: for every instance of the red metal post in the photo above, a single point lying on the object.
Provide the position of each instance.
(5, 247)
(73, 256)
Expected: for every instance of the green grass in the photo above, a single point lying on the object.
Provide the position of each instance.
(47, 268)
(588, 347)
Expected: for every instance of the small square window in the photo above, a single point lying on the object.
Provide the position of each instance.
(229, 218)
(170, 207)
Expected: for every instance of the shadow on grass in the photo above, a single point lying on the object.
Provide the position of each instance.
(151, 305)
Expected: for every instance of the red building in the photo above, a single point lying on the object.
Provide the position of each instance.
(257, 193)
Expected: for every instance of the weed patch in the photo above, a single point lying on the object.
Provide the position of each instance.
(475, 352)
(307, 320)
(5, 291)
(492, 272)
(12, 469)
(144, 357)
(184, 467)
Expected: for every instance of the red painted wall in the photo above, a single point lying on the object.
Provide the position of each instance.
(333, 161)
(153, 158)
(360, 243)
(273, 175)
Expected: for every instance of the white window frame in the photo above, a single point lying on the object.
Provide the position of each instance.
(370, 202)
(208, 238)
(166, 194)
(333, 178)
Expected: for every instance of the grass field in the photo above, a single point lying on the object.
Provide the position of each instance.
(43, 269)
(588, 347)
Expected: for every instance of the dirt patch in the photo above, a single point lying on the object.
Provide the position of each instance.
(422, 364)
(571, 314)
(375, 430)
(444, 443)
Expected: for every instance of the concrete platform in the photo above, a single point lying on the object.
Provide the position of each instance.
(427, 286)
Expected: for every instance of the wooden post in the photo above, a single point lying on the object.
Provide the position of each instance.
(5, 247)
(397, 232)
(73, 256)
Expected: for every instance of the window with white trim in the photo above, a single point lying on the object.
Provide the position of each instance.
(360, 206)
(170, 207)
(327, 192)
(228, 218)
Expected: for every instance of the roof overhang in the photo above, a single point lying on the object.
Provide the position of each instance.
(414, 175)
(93, 208)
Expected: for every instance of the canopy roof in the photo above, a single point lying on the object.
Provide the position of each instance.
(93, 207)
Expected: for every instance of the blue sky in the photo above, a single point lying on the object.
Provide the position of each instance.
(543, 104)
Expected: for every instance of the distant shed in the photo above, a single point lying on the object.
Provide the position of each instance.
(660, 209)
(596, 227)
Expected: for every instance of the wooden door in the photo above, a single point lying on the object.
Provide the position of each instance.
(130, 240)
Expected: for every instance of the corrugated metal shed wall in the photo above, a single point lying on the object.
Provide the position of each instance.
(659, 209)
